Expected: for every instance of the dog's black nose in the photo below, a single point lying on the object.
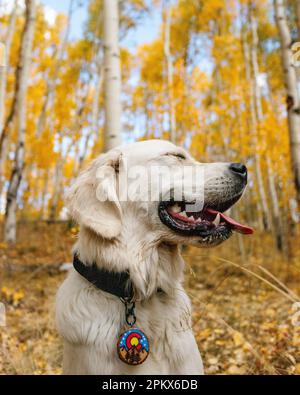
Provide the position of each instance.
(240, 169)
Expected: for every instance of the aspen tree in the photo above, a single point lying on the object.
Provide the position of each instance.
(112, 75)
(21, 107)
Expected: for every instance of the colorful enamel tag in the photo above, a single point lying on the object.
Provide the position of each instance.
(133, 347)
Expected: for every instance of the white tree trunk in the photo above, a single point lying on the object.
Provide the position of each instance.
(18, 166)
(112, 75)
(292, 98)
(170, 72)
(5, 60)
(255, 68)
(3, 78)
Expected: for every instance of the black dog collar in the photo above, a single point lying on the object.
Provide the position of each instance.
(115, 283)
(120, 285)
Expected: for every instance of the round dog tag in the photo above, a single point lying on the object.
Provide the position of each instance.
(133, 346)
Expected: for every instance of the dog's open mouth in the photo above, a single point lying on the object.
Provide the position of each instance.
(210, 222)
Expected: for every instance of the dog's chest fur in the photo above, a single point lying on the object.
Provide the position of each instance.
(92, 320)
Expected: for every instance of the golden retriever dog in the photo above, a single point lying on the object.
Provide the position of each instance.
(136, 205)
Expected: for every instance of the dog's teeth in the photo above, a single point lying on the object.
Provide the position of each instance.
(198, 220)
(217, 220)
(183, 214)
(175, 208)
(192, 218)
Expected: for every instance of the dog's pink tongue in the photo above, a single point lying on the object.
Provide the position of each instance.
(246, 230)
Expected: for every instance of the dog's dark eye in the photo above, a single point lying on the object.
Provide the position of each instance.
(177, 155)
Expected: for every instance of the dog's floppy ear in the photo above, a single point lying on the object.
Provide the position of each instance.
(92, 200)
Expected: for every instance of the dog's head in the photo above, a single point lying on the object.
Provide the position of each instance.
(158, 188)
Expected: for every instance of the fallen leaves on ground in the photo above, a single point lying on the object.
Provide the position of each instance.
(241, 324)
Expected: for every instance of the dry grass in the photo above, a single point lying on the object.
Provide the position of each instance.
(242, 310)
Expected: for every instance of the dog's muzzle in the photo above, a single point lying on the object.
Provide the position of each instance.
(210, 223)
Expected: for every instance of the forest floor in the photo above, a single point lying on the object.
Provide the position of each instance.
(243, 315)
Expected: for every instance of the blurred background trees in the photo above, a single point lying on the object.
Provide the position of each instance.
(218, 78)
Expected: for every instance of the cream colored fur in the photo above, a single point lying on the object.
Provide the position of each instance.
(120, 235)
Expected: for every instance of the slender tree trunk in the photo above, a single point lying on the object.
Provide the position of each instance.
(79, 125)
(276, 218)
(5, 61)
(253, 127)
(43, 211)
(241, 245)
(3, 65)
(292, 96)
(62, 154)
(51, 83)
(6, 46)
(95, 115)
(58, 187)
(170, 72)
(96, 107)
(297, 12)
(10, 118)
(18, 166)
(255, 68)
(279, 220)
(262, 193)
(58, 175)
(277, 223)
(295, 215)
(94, 130)
(112, 75)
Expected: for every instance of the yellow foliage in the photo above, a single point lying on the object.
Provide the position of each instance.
(208, 91)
